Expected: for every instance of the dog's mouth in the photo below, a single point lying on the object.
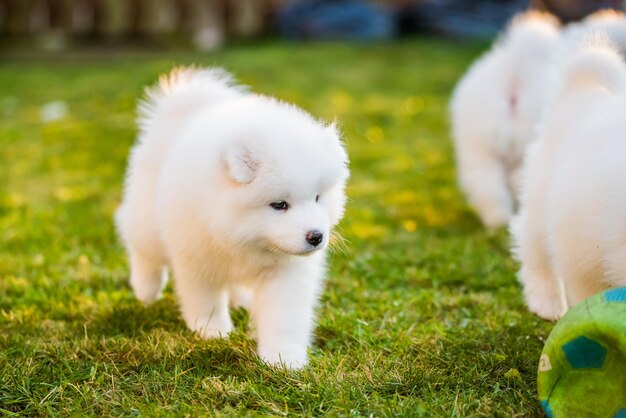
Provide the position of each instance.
(279, 249)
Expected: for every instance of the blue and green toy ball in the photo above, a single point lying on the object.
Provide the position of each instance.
(582, 370)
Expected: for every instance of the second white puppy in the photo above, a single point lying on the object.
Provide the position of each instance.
(233, 189)
(570, 233)
(494, 110)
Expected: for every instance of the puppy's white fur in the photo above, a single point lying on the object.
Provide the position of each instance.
(209, 161)
(494, 109)
(570, 234)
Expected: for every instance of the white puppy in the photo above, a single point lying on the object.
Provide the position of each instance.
(494, 110)
(611, 22)
(570, 234)
(233, 189)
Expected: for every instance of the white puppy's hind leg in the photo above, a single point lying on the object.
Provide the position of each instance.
(542, 292)
(204, 306)
(147, 277)
(485, 182)
(283, 312)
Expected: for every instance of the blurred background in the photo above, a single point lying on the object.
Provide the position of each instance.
(209, 24)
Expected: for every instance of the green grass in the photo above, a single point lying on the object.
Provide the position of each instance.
(422, 316)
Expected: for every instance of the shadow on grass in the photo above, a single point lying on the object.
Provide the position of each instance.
(501, 359)
(131, 319)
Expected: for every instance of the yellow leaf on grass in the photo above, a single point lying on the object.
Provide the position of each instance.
(15, 200)
(69, 194)
(410, 225)
(413, 105)
(365, 231)
(375, 134)
(433, 217)
(340, 101)
(402, 197)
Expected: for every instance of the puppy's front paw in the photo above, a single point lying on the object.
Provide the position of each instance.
(210, 327)
(292, 358)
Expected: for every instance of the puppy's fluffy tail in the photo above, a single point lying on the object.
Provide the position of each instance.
(531, 33)
(595, 63)
(184, 91)
(533, 18)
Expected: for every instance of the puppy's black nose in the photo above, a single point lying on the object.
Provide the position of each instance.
(314, 237)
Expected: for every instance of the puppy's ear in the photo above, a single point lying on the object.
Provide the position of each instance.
(240, 165)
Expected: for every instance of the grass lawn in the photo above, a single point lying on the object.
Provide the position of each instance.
(422, 315)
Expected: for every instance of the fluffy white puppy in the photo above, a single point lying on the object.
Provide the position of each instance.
(493, 112)
(232, 189)
(570, 234)
(611, 22)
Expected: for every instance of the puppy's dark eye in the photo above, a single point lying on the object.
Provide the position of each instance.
(280, 205)
(317, 198)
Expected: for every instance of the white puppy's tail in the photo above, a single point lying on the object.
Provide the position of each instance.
(532, 33)
(533, 18)
(595, 63)
(184, 91)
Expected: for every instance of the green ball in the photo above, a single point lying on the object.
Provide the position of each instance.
(582, 370)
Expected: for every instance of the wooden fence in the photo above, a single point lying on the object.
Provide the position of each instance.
(203, 19)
